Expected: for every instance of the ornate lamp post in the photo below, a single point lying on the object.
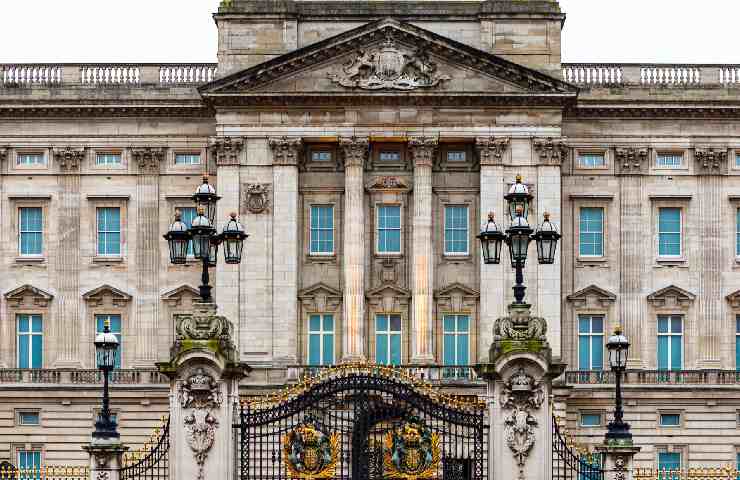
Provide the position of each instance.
(518, 236)
(618, 346)
(106, 348)
(203, 237)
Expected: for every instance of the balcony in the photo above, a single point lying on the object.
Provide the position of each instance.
(655, 377)
(594, 75)
(106, 75)
(80, 376)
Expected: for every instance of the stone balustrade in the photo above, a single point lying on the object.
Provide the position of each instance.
(100, 75)
(655, 377)
(79, 376)
(650, 75)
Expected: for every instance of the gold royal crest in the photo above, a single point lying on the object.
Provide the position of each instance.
(309, 453)
(411, 452)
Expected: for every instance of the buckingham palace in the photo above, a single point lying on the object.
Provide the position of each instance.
(362, 145)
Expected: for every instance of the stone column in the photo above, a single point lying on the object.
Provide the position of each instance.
(67, 323)
(492, 295)
(148, 240)
(422, 151)
(7, 344)
(106, 458)
(286, 153)
(618, 461)
(354, 337)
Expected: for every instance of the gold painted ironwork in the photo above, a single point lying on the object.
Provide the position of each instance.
(699, 473)
(309, 454)
(46, 472)
(411, 452)
(133, 456)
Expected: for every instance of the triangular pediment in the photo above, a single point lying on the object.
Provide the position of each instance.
(671, 296)
(388, 290)
(319, 289)
(456, 289)
(384, 57)
(175, 296)
(590, 295)
(734, 299)
(320, 297)
(106, 294)
(28, 295)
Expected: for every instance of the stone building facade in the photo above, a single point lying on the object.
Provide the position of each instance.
(362, 144)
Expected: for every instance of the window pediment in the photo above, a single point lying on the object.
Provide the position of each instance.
(175, 297)
(28, 296)
(320, 298)
(106, 295)
(734, 299)
(592, 296)
(388, 298)
(671, 296)
(456, 297)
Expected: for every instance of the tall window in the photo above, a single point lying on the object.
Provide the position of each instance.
(29, 464)
(115, 329)
(592, 160)
(670, 342)
(456, 230)
(109, 231)
(30, 341)
(737, 233)
(321, 339)
(108, 159)
(388, 339)
(669, 232)
(187, 159)
(669, 461)
(322, 229)
(187, 214)
(456, 343)
(590, 342)
(591, 237)
(669, 160)
(389, 229)
(31, 241)
(29, 159)
(737, 342)
(737, 164)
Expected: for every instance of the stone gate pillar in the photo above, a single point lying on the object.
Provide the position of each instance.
(204, 373)
(519, 375)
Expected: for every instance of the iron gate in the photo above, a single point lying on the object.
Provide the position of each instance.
(362, 423)
(570, 465)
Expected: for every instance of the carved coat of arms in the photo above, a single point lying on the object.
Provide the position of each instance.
(411, 452)
(521, 395)
(389, 67)
(200, 393)
(309, 453)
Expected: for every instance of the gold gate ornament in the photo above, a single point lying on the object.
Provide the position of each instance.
(310, 454)
(411, 452)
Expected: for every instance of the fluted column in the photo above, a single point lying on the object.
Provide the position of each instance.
(354, 337)
(286, 152)
(7, 347)
(422, 314)
(67, 259)
(492, 295)
(148, 240)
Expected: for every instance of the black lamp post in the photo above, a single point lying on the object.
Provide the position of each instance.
(618, 430)
(204, 238)
(106, 349)
(518, 236)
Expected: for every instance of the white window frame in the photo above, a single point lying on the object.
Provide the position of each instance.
(456, 333)
(680, 232)
(98, 231)
(318, 152)
(680, 155)
(590, 336)
(670, 335)
(737, 233)
(106, 316)
(389, 150)
(322, 333)
(21, 232)
(603, 231)
(107, 155)
(188, 154)
(30, 333)
(660, 419)
(333, 230)
(377, 229)
(584, 154)
(28, 153)
(467, 230)
(388, 333)
(454, 152)
(38, 468)
(23, 411)
(582, 413)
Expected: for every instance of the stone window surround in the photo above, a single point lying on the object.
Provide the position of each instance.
(16, 203)
(17, 416)
(337, 332)
(105, 202)
(686, 323)
(17, 447)
(465, 305)
(178, 301)
(592, 411)
(14, 309)
(463, 199)
(658, 202)
(381, 146)
(664, 448)
(685, 160)
(44, 151)
(332, 200)
(94, 152)
(591, 202)
(670, 411)
(595, 312)
(320, 299)
(401, 305)
(389, 199)
(445, 147)
(330, 165)
(106, 304)
(584, 150)
(732, 220)
(732, 159)
(196, 149)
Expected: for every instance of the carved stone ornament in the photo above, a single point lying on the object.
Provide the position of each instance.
(203, 324)
(388, 183)
(620, 468)
(354, 151)
(226, 149)
(519, 325)
(286, 150)
(200, 393)
(491, 150)
(69, 158)
(631, 159)
(551, 151)
(521, 395)
(422, 150)
(710, 160)
(148, 158)
(389, 67)
(257, 199)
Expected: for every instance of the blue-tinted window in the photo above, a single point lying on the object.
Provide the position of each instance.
(590, 420)
(322, 229)
(456, 343)
(456, 156)
(115, 329)
(737, 233)
(29, 464)
(389, 156)
(670, 342)
(669, 461)
(592, 160)
(669, 160)
(590, 342)
(456, 230)
(320, 156)
(27, 159)
(737, 342)
(321, 339)
(30, 341)
(670, 420)
(28, 418)
(669, 232)
(187, 159)
(592, 232)
(31, 231)
(108, 159)
(389, 229)
(187, 214)
(388, 339)
(109, 231)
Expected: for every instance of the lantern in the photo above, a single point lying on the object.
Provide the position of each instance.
(201, 231)
(213, 250)
(205, 197)
(518, 197)
(547, 237)
(618, 346)
(106, 348)
(178, 238)
(233, 236)
(519, 235)
(491, 238)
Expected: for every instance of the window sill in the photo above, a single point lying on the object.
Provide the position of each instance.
(388, 255)
(451, 257)
(112, 259)
(30, 259)
(321, 258)
(592, 262)
(661, 262)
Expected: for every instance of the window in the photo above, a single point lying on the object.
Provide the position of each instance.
(456, 344)
(591, 160)
(669, 160)
(28, 418)
(590, 419)
(389, 156)
(669, 461)
(30, 347)
(322, 230)
(591, 239)
(670, 420)
(670, 342)
(321, 156)
(737, 233)
(737, 342)
(187, 214)
(669, 232)
(590, 342)
(321, 339)
(31, 231)
(109, 231)
(388, 339)
(187, 159)
(108, 159)
(737, 160)
(115, 329)
(29, 464)
(30, 159)
(456, 230)
(456, 156)
(389, 229)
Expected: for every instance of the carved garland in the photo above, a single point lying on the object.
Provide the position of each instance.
(491, 150)
(631, 158)
(200, 393)
(521, 395)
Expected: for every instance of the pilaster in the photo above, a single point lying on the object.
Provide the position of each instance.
(146, 312)
(286, 152)
(422, 151)
(354, 338)
(67, 259)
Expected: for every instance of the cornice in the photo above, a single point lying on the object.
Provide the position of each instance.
(682, 112)
(80, 110)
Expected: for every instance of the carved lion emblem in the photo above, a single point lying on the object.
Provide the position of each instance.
(411, 452)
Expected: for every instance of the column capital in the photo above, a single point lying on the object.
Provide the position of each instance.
(491, 150)
(631, 159)
(552, 151)
(3, 153)
(69, 158)
(354, 150)
(710, 161)
(286, 150)
(422, 150)
(148, 158)
(226, 149)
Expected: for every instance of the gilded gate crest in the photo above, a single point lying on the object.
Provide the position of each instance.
(411, 452)
(309, 453)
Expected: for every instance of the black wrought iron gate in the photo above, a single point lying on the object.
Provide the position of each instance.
(362, 423)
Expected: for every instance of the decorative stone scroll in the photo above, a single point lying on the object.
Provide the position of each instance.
(551, 151)
(286, 150)
(204, 324)
(520, 325)
(69, 158)
(200, 393)
(710, 161)
(257, 197)
(148, 158)
(491, 150)
(389, 67)
(354, 151)
(388, 183)
(521, 395)
(631, 159)
(226, 149)
(422, 150)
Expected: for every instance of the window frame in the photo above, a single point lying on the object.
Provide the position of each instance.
(193, 153)
(590, 336)
(582, 152)
(670, 334)
(582, 413)
(28, 448)
(31, 334)
(20, 232)
(379, 147)
(43, 153)
(400, 229)
(737, 342)
(669, 449)
(190, 256)
(122, 209)
(119, 334)
(99, 153)
(311, 230)
(603, 209)
(661, 413)
(388, 332)
(322, 333)
(737, 233)
(681, 232)
(447, 253)
(456, 334)
(19, 412)
(657, 153)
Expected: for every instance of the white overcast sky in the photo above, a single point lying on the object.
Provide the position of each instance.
(684, 31)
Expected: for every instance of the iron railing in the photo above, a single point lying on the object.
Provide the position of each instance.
(436, 374)
(154, 463)
(655, 377)
(44, 472)
(568, 464)
(700, 473)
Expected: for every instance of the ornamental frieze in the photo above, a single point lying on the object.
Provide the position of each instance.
(354, 151)
(631, 159)
(286, 150)
(422, 150)
(69, 158)
(491, 150)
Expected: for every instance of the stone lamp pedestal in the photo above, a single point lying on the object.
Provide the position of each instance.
(106, 458)
(618, 460)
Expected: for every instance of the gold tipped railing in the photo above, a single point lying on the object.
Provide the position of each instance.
(718, 473)
(134, 456)
(45, 472)
(582, 449)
